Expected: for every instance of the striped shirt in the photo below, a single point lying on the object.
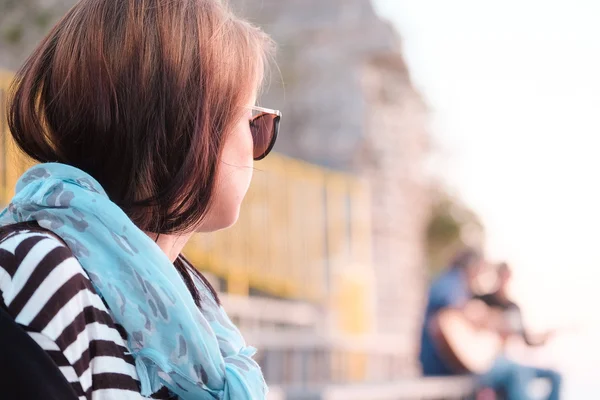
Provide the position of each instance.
(48, 293)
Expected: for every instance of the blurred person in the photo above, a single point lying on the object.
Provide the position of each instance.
(142, 115)
(445, 350)
(507, 375)
(453, 289)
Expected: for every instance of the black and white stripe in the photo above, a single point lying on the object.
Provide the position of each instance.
(47, 292)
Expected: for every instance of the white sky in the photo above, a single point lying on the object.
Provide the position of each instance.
(514, 88)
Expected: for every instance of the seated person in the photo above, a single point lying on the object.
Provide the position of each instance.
(505, 374)
(452, 289)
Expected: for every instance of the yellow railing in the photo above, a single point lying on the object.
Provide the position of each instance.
(303, 232)
(294, 231)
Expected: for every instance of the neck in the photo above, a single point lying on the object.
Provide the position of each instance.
(171, 245)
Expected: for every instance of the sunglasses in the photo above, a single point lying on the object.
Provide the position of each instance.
(264, 126)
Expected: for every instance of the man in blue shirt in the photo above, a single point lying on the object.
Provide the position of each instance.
(452, 289)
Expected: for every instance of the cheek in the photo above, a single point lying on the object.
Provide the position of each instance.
(245, 159)
(245, 142)
(233, 180)
(238, 150)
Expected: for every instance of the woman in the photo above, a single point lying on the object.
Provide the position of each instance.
(142, 115)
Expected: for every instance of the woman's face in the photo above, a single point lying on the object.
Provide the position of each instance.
(234, 174)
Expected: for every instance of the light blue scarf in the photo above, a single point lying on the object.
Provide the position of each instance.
(197, 354)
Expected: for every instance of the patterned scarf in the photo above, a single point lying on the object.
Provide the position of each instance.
(196, 353)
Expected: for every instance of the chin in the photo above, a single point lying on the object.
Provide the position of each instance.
(220, 221)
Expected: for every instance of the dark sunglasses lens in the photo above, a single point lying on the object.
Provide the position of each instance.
(263, 132)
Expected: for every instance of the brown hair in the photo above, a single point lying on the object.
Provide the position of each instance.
(466, 258)
(140, 94)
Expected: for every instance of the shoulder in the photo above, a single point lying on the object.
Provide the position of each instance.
(28, 257)
(46, 290)
(449, 290)
(22, 239)
(36, 267)
(49, 293)
(17, 243)
(449, 281)
(439, 281)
